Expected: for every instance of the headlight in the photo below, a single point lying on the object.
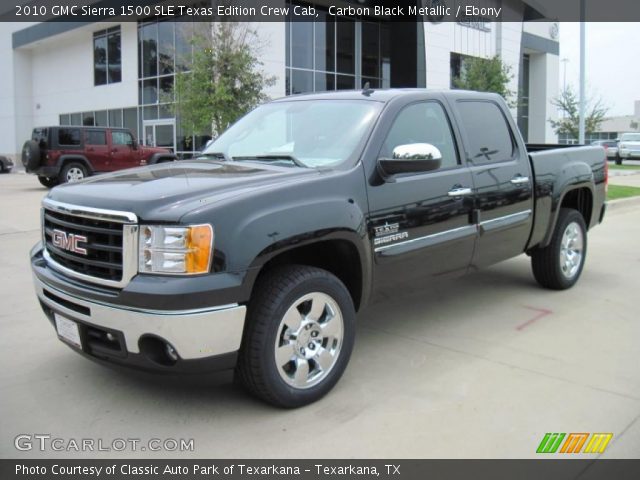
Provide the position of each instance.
(175, 250)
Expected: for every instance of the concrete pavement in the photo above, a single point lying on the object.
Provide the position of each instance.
(480, 367)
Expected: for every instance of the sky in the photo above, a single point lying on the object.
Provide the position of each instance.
(612, 62)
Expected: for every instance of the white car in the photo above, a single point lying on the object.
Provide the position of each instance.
(629, 146)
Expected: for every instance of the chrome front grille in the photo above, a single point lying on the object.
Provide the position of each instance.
(95, 245)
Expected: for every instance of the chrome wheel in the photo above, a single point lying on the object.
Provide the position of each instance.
(571, 250)
(309, 340)
(74, 174)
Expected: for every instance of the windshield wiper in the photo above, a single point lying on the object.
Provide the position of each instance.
(220, 155)
(274, 157)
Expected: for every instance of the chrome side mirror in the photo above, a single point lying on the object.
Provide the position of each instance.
(411, 158)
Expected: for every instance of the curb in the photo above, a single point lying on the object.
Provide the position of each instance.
(622, 203)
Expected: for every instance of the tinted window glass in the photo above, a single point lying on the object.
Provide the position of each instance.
(96, 137)
(114, 56)
(107, 56)
(302, 44)
(422, 123)
(487, 132)
(100, 60)
(121, 138)
(68, 136)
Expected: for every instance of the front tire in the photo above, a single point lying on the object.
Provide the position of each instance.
(73, 172)
(559, 265)
(298, 338)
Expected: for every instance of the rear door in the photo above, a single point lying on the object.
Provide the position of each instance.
(419, 224)
(97, 150)
(502, 179)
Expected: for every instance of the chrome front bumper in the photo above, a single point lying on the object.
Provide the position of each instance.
(194, 334)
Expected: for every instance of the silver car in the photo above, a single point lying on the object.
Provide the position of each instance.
(629, 146)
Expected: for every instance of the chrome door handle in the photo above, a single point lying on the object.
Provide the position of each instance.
(459, 192)
(519, 180)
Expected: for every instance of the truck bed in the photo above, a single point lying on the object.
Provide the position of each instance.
(583, 168)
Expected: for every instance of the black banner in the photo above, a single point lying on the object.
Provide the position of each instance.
(462, 11)
(547, 469)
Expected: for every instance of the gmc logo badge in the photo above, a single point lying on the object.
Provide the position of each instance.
(68, 241)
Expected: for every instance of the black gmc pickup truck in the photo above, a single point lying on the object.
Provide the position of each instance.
(258, 255)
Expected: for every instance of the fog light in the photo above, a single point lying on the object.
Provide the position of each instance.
(111, 337)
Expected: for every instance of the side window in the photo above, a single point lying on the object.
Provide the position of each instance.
(96, 137)
(121, 138)
(487, 132)
(422, 123)
(68, 136)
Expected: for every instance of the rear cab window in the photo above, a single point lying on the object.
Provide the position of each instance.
(488, 136)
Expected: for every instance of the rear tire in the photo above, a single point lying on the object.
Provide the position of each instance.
(48, 182)
(73, 172)
(298, 337)
(559, 265)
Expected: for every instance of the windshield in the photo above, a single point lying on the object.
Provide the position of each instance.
(309, 133)
(630, 137)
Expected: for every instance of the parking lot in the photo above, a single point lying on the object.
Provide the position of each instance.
(480, 367)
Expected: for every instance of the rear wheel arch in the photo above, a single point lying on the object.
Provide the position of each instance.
(579, 198)
(66, 159)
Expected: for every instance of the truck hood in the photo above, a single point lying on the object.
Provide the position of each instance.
(167, 191)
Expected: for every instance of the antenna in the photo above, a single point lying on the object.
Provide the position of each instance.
(367, 90)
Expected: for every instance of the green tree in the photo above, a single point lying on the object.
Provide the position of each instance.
(223, 78)
(485, 75)
(569, 105)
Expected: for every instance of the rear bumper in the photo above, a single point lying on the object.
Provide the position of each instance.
(46, 171)
(204, 340)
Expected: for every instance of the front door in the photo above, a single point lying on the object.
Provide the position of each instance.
(97, 149)
(420, 224)
(124, 153)
(160, 133)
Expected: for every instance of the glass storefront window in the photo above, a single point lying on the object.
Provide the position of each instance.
(301, 81)
(166, 48)
(114, 57)
(107, 57)
(325, 43)
(302, 44)
(149, 91)
(322, 55)
(346, 46)
(101, 119)
(115, 118)
(88, 119)
(148, 38)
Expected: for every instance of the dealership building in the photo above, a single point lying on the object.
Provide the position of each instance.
(120, 73)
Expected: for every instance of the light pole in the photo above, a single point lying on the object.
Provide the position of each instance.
(581, 126)
(564, 75)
